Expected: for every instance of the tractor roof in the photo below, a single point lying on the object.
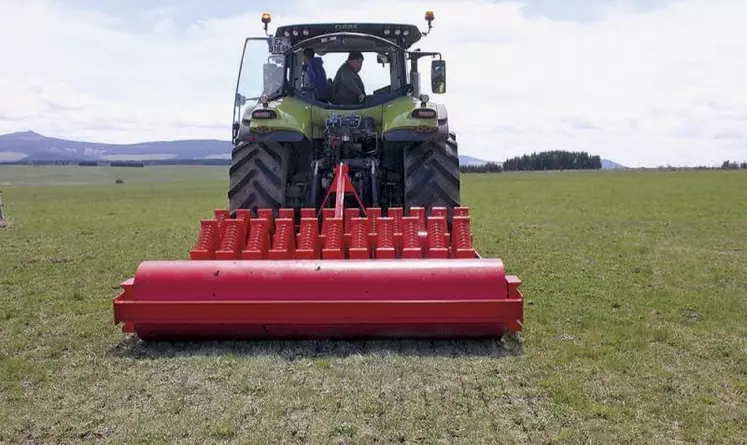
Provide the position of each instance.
(403, 35)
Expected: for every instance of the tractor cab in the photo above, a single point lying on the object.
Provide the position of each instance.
(390, 68)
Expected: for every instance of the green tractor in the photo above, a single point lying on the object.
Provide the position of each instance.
(287, 142)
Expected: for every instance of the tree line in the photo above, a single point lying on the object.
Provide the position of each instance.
(554, 160)
(547, 160)
(733, 165)
(490, 167)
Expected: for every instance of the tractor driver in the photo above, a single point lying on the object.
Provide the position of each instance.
(347, 87)
(315, 78)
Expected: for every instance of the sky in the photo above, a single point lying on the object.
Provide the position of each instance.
(640, 82)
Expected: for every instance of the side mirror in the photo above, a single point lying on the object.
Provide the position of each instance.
(239, 101)
(438, 76)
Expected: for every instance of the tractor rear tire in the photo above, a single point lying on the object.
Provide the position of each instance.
(432, 174)
(258, 176)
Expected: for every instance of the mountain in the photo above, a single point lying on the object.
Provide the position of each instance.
(29, 146)
(469, 160)
(611, 165)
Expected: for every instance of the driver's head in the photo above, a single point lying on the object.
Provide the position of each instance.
(308, 54)
(355, 59)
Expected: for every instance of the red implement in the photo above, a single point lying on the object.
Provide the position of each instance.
(342, 273)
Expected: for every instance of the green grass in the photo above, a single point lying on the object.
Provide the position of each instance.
(634, 332)
(15, 175)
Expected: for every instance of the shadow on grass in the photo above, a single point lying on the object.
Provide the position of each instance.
(133, 347)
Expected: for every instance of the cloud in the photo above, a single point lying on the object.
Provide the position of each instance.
(641, 86)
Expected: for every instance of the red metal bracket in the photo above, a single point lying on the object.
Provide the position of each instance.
(341, 184)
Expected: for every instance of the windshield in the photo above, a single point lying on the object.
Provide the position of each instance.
(380, 76)
(373, 75)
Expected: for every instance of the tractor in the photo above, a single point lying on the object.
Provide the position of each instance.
(395, 142)
(344, 216)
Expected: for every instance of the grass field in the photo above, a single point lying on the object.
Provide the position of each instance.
(634, 332)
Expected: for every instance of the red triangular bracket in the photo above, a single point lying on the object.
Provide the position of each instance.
(341, 184)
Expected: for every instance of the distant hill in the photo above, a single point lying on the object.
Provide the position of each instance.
(611, 165)
(29, 146)
(469, 160)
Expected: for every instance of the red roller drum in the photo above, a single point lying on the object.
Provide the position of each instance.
(320, 298)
